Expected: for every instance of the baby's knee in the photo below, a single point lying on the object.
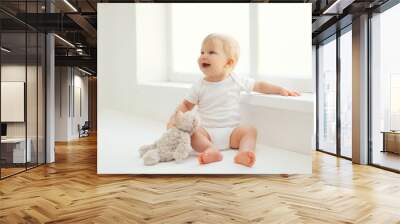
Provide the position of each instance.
(200, 134)
(251, 131)
(254, 130)
(195, 137)
(199, 142)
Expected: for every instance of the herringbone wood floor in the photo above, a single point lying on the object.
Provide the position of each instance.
(70, 191)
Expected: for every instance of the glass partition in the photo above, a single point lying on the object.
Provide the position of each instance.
(346, 93)
(32, 95)
(13, 94)
(41, 91)
(22, 77)
(327, 96)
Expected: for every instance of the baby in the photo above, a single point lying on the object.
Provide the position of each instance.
(217, 97)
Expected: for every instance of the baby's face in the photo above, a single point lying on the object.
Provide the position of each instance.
(213, 61)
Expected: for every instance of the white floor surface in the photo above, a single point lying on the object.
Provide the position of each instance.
(121, 135)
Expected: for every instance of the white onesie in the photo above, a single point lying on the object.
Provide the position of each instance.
(218, 105)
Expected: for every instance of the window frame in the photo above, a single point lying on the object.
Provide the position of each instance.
(305, 84)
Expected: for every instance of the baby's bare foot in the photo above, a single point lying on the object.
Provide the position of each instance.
(247, 158)
(209, 156)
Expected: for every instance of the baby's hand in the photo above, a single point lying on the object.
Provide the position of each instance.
(285, 92)
(170, 125)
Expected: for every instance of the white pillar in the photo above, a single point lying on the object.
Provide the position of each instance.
(50, 99)
(360, 90)
(50, 93)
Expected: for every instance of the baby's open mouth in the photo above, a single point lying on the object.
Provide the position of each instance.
(205, 65)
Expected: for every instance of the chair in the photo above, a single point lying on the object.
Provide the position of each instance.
(84, 130)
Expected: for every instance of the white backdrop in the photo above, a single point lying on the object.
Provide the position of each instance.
(128, 90)
(12, 101)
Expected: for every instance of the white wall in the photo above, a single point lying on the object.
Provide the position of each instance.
(34, 126)
(118, 89)
(148, 26)
(117, 71)
(130, 63)
(11, 73)
(155, 57)
(61, 103)
(14, 72)
(12, 101)
(84, 84)
(79, 117)
(66, 85)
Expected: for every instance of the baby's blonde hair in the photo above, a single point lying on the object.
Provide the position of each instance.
(230, 45)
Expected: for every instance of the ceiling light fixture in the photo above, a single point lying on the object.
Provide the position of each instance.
(337, 7)
(84, 71)
(64, 40)
(79, 51)
(5, 50)
(70, 5)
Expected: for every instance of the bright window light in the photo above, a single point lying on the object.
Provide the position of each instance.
(284, 40)
(390, 68)
(192, 22)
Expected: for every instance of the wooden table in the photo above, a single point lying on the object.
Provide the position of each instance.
(391, 141)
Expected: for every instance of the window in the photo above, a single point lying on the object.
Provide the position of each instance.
(346, 94)
(168, 46)
(385, 85)
(284, 39)
(327, 96)
(394, 102)
(335, 71)
(190, 23)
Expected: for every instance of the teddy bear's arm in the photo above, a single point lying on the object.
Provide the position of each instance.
(145, 148)
(151, 157)
(181, 152)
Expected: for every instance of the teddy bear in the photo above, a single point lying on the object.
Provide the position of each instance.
(175, 143)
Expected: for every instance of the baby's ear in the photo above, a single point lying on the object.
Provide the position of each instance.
(230, 62)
